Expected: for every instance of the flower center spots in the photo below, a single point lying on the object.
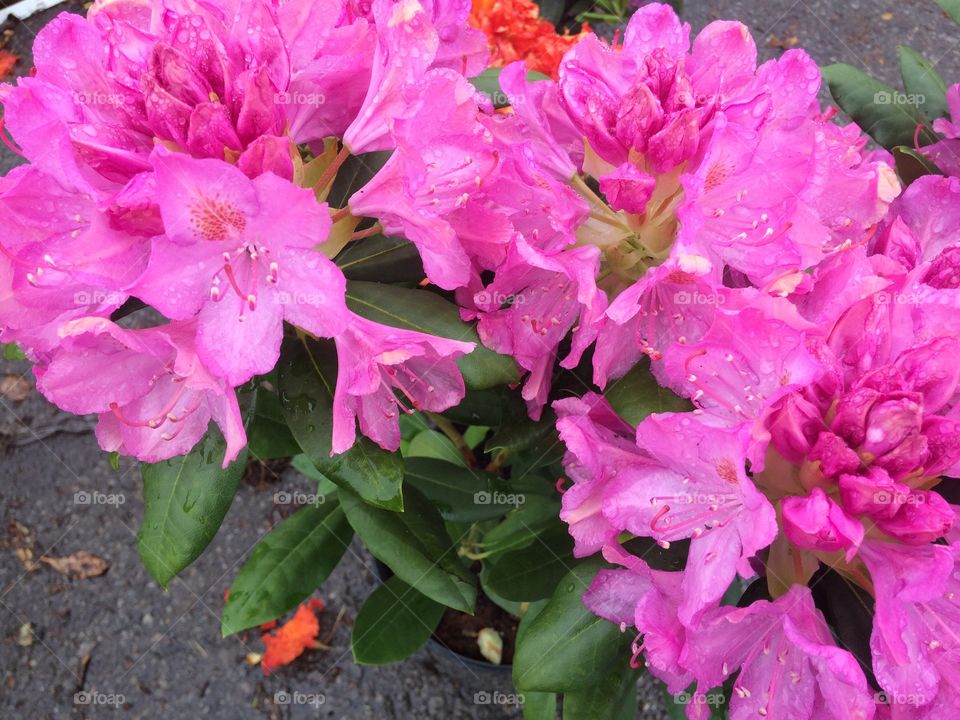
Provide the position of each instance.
(717, 174)
(726, 471)
(213, 218)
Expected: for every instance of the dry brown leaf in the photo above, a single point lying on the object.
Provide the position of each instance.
(80, 565)
(14, 387)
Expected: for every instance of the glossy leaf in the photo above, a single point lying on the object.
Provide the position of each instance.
(268, 436)
(307, 378)
(532, 572)
(415, 545)
(394, 622)
(924, 83)
(292, 561)
(355, 172)
(460, 494)
(912, 165)
(381, 258)
(427, 312)
(566, 647)
(613, 697)
(286, 566)
(638, 394)
(951, 8)
(521, 527)
(185, 500)
(882, 111)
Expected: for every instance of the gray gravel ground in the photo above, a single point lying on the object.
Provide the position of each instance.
(121, 635)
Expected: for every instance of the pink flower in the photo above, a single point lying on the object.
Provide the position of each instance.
(376, 362)
(789, 664)
(914, 643)
(600, 445)
(240, 253)
(817, 522)
(63, 257)
(153, 396)
(946, 153)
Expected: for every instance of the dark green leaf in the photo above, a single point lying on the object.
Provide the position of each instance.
(185, 500)
(427, 312)
(394, 622)
(381, 258)
(355, 172)
(307, 378)
(613, 697)
(286, 566)
(521, 526)
(460, 494)
(435, 445)
(552, 10)
(530, 444)
(532, 572)
(566, 647)
(268, 436)
(478, 407)
(912, 165)
(883, 112)
(637, 395)
(415, 545)
(923, 84)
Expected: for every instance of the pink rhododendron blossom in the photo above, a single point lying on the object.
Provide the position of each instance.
(153, 395)
(240, 253)
(375, 363)
(788, 660)
(63, 257)
(946, 153)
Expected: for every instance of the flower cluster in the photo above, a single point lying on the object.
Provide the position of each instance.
(177, 158)
(660, 201)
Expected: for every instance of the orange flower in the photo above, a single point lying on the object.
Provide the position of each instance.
(515, 31)
(292, 638)
(7, 61)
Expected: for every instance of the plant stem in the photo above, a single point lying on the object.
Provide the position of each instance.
(331, 172)
(447, 428)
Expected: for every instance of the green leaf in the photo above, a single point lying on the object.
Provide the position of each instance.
(912, 165)
(460, 494)
(184, 502)
(432, 444)
(521, 527)
(566, 647)
(307, 378)
(951, 8)
(286, 566)
(268, 436)
(11, 351)
(552, 10)
(539, 706)
(488, 82)
(530, 444)
(924, 84)
(532, 572)
(478, 407)
(613, 697)
(381, 258)
(415, 545)
(429, 313)
(879, 109)
(394, 622)
(356, 171)
(637, 395)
